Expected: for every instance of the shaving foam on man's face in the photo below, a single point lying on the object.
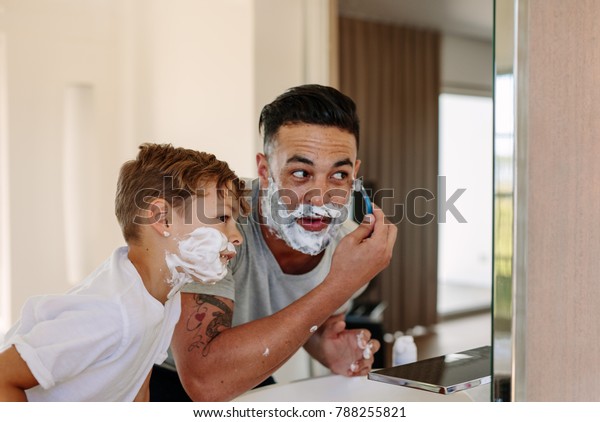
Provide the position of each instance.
(201, 257)
(307, 170)
(323, 221)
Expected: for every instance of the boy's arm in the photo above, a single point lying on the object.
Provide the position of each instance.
(144, 393)
(15, 376)
(216, 362)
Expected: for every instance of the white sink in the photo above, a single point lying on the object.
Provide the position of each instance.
(336, 388)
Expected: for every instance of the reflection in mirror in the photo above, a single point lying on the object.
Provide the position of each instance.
(410, 131)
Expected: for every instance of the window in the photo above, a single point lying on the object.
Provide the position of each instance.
(466, 161)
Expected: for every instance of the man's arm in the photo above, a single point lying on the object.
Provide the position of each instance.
(15, 376)
(216, 362)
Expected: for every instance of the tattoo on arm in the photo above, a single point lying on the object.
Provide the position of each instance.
(206, 330)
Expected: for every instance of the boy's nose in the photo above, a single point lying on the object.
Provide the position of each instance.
(234, 236)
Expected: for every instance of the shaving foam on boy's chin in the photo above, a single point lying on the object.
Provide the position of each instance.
(283, 222)
(198, 258)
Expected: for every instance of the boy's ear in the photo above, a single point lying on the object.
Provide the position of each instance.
(160, 216)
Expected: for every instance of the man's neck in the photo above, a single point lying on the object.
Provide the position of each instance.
(290, 260)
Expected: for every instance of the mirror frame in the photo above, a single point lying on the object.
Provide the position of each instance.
(510, 205)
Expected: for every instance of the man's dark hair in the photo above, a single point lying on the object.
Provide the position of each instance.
(312, 104)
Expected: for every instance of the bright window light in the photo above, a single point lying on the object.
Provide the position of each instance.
(466, 157)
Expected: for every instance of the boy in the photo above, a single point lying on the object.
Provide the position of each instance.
(98, 342)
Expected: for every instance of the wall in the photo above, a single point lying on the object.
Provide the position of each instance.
(52, 47)
(467, 65)
(560, 320)
(192, 65)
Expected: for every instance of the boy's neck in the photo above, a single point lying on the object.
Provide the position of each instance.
(150, 265)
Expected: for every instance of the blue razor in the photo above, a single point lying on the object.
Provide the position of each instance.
(358, 187)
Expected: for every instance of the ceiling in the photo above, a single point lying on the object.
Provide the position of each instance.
(469, 18)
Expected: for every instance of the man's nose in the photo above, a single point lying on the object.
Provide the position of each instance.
(316, 195)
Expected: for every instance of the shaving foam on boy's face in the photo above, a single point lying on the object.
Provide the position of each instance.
(285, 224)
(202, 256)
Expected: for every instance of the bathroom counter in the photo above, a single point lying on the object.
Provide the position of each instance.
(336, 388)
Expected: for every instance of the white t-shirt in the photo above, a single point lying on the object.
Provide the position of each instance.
(99, 341)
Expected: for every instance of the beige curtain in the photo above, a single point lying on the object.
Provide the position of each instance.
(393, 74)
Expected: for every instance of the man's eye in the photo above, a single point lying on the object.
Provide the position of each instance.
(340, 175)
(300, 174)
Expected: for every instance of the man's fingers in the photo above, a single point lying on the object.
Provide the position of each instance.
(363, 366)
(383, 229)
(384, 232)
(364, 229)
(336, 328)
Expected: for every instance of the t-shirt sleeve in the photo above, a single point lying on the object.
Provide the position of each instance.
(60, 336)
(224, 288)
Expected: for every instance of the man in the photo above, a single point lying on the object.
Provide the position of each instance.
(298, 265)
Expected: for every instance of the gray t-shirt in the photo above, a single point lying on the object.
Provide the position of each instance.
(256, 282)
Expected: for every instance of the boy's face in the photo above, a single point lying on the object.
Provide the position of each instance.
(214, 211)
(312, 168)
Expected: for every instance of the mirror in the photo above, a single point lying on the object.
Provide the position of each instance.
(510, 96)
(466, 74)
(503, 198)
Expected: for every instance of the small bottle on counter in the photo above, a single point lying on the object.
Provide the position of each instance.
(405, 351)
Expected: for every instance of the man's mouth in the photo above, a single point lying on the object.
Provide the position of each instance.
(314, 224)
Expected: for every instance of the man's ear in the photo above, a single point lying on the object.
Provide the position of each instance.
(356, 168)
(262, 165)
(160, 215)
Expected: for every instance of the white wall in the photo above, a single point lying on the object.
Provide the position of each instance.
(189, 72)
(51, 46)
(193, 73)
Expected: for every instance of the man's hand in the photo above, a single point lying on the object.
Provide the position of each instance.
(363, 253)
(343, 352)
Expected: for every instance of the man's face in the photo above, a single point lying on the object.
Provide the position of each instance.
(309, 174)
